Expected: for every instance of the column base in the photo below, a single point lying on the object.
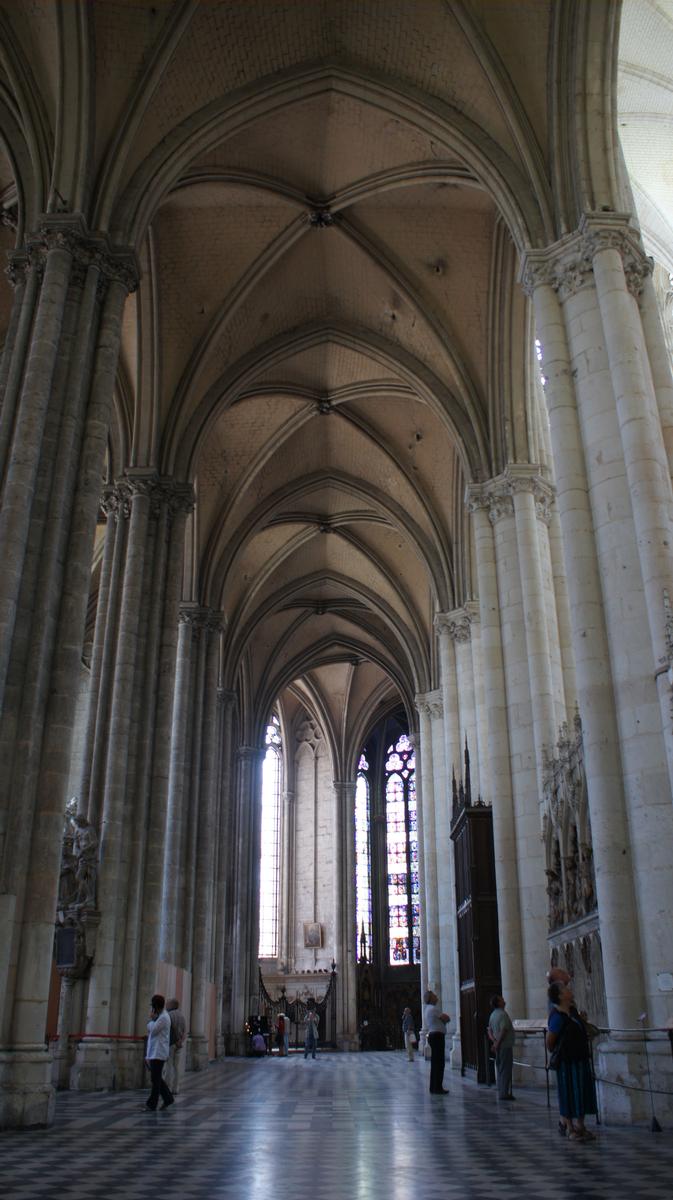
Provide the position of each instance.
(94, 1069)
(529, 1059)
(198, 1055)
(622, 1069)
(27, 1096)
(220, 1046)
(129, 1066)
(455, 1055)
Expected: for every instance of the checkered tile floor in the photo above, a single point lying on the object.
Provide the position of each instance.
(345, 1127)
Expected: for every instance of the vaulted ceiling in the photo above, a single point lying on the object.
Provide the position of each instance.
(328, 202)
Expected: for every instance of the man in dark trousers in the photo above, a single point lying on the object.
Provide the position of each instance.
(158, 1047)
(434, 1024)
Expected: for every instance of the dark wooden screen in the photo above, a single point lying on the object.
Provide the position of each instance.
(477, 931)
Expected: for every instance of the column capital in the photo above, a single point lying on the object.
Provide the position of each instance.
(430, 704)
(69, 232)
(145, 481)
(226, 697)
(497, 495)
(567, 265)
(200, 617)
(250, 753)
(456, 623)
(343, 785)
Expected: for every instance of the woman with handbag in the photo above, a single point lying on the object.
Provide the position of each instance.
(570, 1057)
(409, 1032)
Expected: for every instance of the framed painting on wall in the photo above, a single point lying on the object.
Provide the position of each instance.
(312, 935)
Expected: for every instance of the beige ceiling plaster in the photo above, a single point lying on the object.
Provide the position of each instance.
(221, 51)
(645, 116)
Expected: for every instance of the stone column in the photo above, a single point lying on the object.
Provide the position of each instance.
(656, 310)
(619, 431)
(427, 838)
(346, 931)
(245, 982)
(223, 897)
(532, 498)
(619, 270)
(609, 823)
(59, 381)
(207, 822)
(123, 742)
(446, 888)
(499, 752)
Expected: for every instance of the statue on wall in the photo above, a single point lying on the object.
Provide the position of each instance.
(85, 851)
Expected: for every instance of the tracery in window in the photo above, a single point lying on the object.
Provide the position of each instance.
(363, 883)
(269, 884)
(404, 945)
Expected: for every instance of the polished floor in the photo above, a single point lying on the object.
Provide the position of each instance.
(352, 1127)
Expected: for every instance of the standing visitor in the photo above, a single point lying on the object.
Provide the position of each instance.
(434, 1023)
(501, 1035)
(158, 1044)
(176, 1056)
(568, 1040)
(311, 1040)
(409, 1032)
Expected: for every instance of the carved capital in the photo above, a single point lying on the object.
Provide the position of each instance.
(250, 753)
(115, 502)
(456, 623)
(69, 232)
(496, 495)
(201, 618)
(567, 266)
(430, 704)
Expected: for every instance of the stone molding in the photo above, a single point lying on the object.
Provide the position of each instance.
(567, 265)
(69, 232)
(226, 696)
(201, 618)
(456, 623)
(250, 753)
(431, 704)
(162, 491)
(497, 495)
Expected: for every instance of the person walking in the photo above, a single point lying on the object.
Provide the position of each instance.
(568, 1041)
(311, 1039)
(434, 1023)
(409, 1032)
(176, 1056)
(158, 1044)
(501, 1035)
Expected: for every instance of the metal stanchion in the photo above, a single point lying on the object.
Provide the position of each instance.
(655, 1127)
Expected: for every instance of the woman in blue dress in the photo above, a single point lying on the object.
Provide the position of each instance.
(576, 1090)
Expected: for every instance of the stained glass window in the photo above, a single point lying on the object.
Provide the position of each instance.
(363, 883)
(404, 939)
(269, 884)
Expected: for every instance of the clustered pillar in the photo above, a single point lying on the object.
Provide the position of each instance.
(609, 418)
(57, 377)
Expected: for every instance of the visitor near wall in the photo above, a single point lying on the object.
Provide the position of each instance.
(568, 1043)
(501, 1034)
(158, 1047)
(434, 1024)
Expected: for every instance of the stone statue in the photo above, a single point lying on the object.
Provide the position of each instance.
(85, 850)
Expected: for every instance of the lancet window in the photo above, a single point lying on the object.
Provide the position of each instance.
(269, 887)
(363, 862)
(404, 944)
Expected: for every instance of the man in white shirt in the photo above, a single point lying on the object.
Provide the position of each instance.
(434, 1024)
(158, 1048)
